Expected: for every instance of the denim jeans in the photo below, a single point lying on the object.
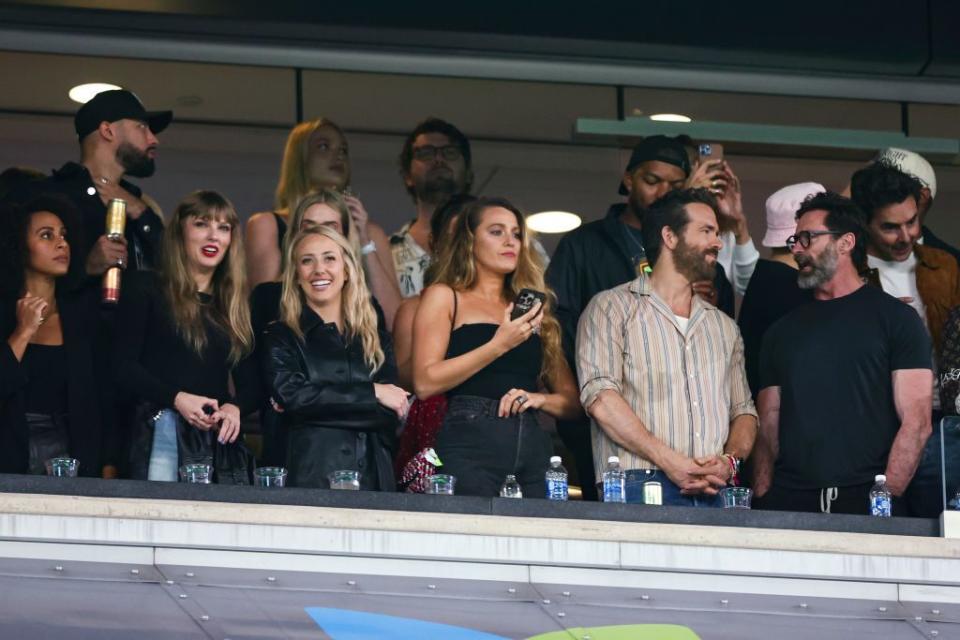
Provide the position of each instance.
(164, 458)
(635, 479)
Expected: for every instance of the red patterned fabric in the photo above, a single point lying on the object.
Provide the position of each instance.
(420, 432)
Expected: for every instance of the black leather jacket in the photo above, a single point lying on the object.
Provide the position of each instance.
(326, 392)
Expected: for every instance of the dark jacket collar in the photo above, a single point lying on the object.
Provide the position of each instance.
(76, 171)
(616, 232)
(310, 320)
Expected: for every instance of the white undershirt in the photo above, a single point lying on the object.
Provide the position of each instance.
(899, 279)
(682, 322)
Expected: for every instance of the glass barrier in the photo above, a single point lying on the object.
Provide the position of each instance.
(947, 445)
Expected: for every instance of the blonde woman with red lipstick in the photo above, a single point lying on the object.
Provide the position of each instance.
(182, 332)
(51, 400)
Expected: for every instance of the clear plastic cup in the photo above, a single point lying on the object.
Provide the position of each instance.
(270, 477)
(62, 467)
(196, 473)
(736, 497)
(345, 479)
(441, 484)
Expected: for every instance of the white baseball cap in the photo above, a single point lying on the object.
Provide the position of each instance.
(912, 164)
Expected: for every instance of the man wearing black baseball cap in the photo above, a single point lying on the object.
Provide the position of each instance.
(606, 253)
(117, 138)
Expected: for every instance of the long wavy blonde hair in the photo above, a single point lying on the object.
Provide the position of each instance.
(456, 267)
(336, 202)
(359, 317)
(294, 181)
(230, 310)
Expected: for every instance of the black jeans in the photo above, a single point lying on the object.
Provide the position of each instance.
(480, 449)
(48, 438)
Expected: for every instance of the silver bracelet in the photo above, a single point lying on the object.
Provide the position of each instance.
(368, 248)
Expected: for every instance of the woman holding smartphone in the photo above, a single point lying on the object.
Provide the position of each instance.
(329, 365)
(497, 371)
(182, 333)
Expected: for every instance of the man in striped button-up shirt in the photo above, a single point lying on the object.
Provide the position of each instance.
(661, 371)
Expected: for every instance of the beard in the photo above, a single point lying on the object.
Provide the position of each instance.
(821, 269)
(135, 162)
(437, 187)
(692, 263)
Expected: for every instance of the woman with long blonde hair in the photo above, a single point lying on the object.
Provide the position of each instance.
(329, 366)
(317, 157)
(183, 332)
(498, 370)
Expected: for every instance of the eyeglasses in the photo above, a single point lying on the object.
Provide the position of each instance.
(428, 152)
(804, 238)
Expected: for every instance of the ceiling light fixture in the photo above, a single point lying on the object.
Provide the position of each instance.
(670, 117)
(83, 93)
(553, 221)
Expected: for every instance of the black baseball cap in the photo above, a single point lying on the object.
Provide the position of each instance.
(660, 148)
(118, 104)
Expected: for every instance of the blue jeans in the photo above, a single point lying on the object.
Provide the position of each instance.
(635, 478)
(164, 458)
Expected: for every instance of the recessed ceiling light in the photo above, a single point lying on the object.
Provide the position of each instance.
(670, 117)
(82, 93)
(553, 221)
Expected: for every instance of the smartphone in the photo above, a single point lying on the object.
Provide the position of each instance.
(525, 301)
(710, 152)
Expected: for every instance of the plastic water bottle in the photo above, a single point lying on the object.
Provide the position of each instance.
(511, 488)
(613, 481)
(557, 486)
(881, 500)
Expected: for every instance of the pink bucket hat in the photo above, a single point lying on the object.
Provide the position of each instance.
(782, 211)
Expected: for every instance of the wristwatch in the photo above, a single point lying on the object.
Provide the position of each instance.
(368, 248)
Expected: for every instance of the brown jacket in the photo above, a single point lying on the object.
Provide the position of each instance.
(938, 281)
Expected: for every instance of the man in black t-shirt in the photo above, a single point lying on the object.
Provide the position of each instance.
(845, 381)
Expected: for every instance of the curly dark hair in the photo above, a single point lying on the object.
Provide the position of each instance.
(14, 223)
(879, 185)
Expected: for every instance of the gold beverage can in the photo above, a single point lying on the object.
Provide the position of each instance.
(110, 291)
(116, 218)
(652, 493)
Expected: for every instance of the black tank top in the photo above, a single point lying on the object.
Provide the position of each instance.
(518, 368)
(281, 229)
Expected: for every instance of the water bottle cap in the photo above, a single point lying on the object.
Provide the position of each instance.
(555, 460)
(613, 459)
(880, 478)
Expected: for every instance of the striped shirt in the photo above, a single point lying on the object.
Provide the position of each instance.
(685, 386)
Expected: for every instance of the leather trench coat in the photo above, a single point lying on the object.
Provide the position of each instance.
(329, 406)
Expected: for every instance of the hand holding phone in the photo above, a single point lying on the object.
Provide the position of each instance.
(525, 301)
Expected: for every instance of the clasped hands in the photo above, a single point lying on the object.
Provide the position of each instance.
(703, 475)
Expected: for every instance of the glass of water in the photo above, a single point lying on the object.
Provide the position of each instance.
(62, 467)
(736, 497)
(442, 484)
(270, 477)
(344, 479)
(196, 473)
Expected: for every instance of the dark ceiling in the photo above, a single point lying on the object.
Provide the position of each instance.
(870, 37)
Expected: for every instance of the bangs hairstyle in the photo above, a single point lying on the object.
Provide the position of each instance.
(333, 200)
(14, 254)
(229, 310)
(456, 267)
(294, 181)
(359, 317)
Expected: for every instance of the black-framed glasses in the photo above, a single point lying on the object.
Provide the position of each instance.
(804, 238)
(428, 152)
